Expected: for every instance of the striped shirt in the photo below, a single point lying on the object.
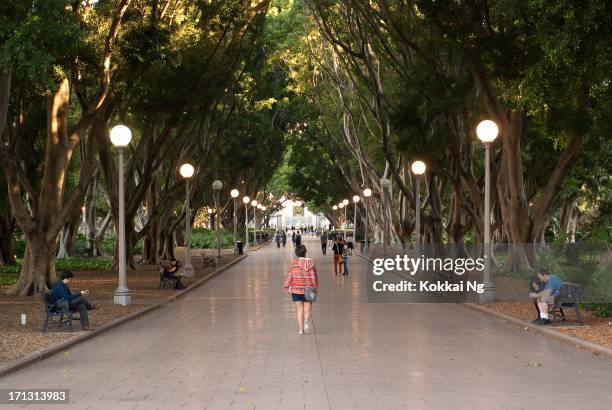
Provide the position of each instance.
(303, 273)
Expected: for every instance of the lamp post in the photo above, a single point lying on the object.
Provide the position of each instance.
(186, 171)
(121, 136)
(385, 185)
(367, 193)
(487, 133)
(254, 205)
(234, 193)
(245, 201)
(216, 186)
(341, 206)
(335, 208)
(345, 203)
(263, 216)
(355, 201)
(418, 169)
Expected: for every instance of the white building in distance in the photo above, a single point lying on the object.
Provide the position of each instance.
(294, 213)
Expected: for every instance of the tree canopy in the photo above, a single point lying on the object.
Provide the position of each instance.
(311, 99)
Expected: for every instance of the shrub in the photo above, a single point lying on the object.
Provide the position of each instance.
(79, 263)
(108, 245)
(207, 238)
(599, 309)
(70, 263)
(8, 279)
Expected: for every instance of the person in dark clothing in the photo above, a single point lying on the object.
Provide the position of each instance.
(324, 243)
(171, 271)
(298, 239)
(284, 237)
(76, 301)
(277, 238)
(338, 247)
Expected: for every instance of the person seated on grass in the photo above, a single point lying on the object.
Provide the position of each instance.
(171, 269)
(76, 301)
(550, 285)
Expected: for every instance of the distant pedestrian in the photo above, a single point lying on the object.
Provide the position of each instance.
(324, 243)
(302, 275)
(338, 248)
(293, 237)
(298, 239)
(350, 244)
(345, 259)
(284, 238)
(277, 238)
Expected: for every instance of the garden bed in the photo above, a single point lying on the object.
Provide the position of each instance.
(594, 329)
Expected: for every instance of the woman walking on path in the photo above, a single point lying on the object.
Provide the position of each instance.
(338, 248)
(302, 274)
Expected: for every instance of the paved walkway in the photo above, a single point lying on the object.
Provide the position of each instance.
(233, 343)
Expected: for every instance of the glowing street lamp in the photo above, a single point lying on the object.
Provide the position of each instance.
(367, 193)
(120, 136)
(245, 201)
(487, 132)
(418, 168)
(186, 172)
(385, 187)
(234, 194)
(263, 216)
(254, 203)
(355, 201)
(216, 187)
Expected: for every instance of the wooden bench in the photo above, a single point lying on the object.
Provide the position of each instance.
(164, 280)
(569, 296)
(59, 313)
(209, 262)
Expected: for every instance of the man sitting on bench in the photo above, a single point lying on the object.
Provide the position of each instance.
(538, 286)
(76, 301)
(552, 284)
(171, 272)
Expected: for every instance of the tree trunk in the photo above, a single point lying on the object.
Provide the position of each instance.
(68, 236)
(97, 250)
(7, 229)
(91, 216)
(567, 213)
(432, 229)
(38, 269)
(42, 227)
(511, 194)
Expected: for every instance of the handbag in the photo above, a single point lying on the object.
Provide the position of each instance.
(310, 294)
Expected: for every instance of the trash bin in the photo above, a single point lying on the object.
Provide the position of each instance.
(240, 247)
